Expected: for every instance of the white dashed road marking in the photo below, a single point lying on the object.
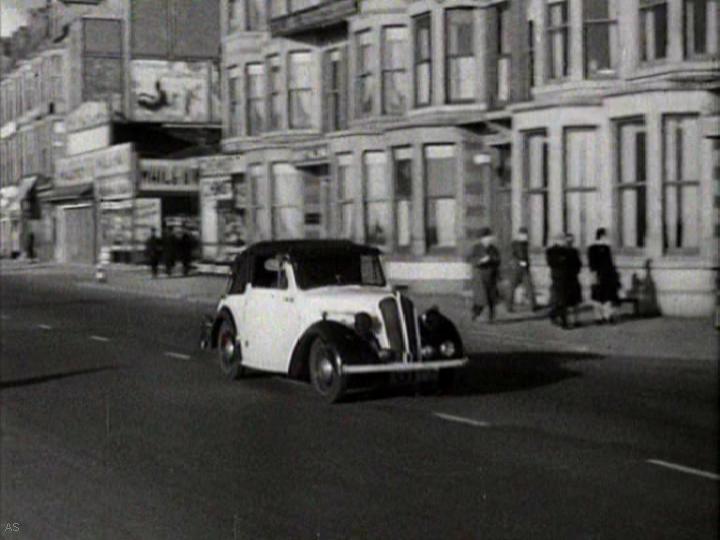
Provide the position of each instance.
(99, 338)
(177, 355)
(683, 468)
(462, 420)
(44, 327)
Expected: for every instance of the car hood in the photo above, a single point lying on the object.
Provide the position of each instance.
(346, 299)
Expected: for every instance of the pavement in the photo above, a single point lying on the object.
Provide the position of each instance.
(660, 337)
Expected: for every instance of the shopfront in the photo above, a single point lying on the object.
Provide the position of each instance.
(223, 206)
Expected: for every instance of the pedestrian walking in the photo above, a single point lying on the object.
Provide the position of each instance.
(606, 281)
(185, 249)
(152, 252)
(169, 249)
(485, 260)
(521, 270)
(565, 292)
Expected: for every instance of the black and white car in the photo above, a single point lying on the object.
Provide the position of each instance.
(321, 310)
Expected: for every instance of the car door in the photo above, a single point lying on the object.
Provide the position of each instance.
(269, 318)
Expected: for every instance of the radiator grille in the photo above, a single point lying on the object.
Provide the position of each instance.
(408, 310)
(391, 318)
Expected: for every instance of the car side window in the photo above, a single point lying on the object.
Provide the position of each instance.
(268, 273)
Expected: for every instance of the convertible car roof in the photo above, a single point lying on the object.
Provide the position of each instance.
(308, 247)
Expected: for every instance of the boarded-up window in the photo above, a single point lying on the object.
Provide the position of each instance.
(149, 27)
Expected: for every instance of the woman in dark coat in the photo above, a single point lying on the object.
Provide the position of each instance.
(485, 260)
(565, 293)
(607, 281)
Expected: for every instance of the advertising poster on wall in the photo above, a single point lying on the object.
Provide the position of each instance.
(148, 214)
(169, 91)
(116, 225)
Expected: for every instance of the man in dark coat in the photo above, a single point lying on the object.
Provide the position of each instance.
(604, 291)
(565, 293)
(152, 252)
(521, 270)
(485, 260)
(169, 250)
(185, 248)
(574, 290)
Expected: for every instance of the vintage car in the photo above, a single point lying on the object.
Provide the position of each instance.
(321, 310)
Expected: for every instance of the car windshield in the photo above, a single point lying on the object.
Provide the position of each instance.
(322, 270)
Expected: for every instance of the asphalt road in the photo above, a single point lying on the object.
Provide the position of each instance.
(114, 425)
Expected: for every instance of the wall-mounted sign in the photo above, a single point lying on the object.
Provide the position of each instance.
(311, 154)
(216, 187)
(114, 187)
(165, 91)
(220, 165)
(88, 115)
(167, 175)
(85, 168)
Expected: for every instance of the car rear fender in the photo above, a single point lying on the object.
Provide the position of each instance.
(223, 314)
(351, 347)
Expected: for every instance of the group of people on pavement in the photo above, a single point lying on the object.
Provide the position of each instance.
(565, 264)
(169, 248)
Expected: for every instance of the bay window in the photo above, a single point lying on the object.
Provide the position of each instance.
(440, 191)
(504, 50)
(345, 197)
(300, 89)
(653, 30)
(459, 55)
(402, 169)
(394, 76)
(558, 34)
(254, 77)
(287, 197)
(364, 81)
(681, 182)
(701, 19)
(631, 184)
(422, 55)
(600, 37)
(235, 106)
(275, 110)
(335, 89)
(377, 198)
(535, 188)
(580, 189)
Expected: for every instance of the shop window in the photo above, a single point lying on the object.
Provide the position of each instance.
(345, 198)
(631, 185)
(535, 189)
(377, 198)
(394, 75)
(459, 53)
(422, 55)
(365, 85)
(681, 183)
(258, 204)
(402, 173)
(504, 51)
(254, 75)
(275, 109)
(600, 37)
(558, 34)
(440, 195)
(287, 194)
(235, 118)
(580, 186)
(335, 89)
(653, 30)
(701, 19)
(300, 89)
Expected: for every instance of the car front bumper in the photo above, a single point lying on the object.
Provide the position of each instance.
(432, 365)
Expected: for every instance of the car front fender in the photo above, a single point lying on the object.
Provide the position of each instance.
(351, 347)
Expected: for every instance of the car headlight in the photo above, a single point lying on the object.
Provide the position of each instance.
(427, 351)
(447, 349)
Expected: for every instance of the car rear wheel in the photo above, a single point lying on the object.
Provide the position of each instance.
(325, 371)
(229, 353)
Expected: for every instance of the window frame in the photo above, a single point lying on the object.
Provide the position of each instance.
(428, 199)
(333, 98)
(274, 84)
(503, 10)
(250, 128)
(644, 7)
(385, 71)
(398, 154)
(563, 29)
(690, 53)
(568, 189)
(529, 191)
(613, 42)
(419, 60)
(291, 90)
(367, 201)
(276, 207)
(619, 187)
(449, 58)
(363, 73)
(344, 161)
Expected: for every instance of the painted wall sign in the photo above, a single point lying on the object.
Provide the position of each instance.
(84, 168)
(168, 175)
(114, 187)
(216, 187)
(170, 91)
(88, 115)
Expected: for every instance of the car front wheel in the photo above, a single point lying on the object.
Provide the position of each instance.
(325, 371)
(229, 350)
